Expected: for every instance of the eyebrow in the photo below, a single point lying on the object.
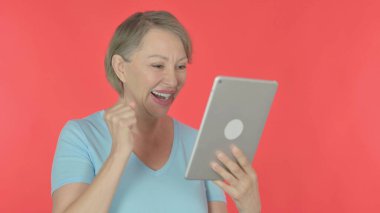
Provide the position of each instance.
(165, 58)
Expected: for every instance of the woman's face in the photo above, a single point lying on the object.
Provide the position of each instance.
(156, 72)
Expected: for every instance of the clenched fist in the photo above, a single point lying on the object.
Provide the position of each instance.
(121, 119)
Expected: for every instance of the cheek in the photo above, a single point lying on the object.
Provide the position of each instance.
(148, 76)
(181, 78)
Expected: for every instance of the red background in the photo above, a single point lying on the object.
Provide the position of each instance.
(320, 150)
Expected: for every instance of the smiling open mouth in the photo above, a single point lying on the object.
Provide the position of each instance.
(163, 99)
(162, 96)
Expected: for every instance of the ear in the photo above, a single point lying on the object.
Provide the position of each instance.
(118, 65)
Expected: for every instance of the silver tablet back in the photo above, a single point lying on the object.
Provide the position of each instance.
(236, 112)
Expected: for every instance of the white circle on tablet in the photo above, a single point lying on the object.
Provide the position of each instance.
(233, 129)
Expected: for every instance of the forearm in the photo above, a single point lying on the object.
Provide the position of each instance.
(98, 196)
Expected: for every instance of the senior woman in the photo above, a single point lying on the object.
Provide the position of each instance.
(132, 156)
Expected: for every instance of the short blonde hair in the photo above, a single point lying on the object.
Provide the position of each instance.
(129, 34)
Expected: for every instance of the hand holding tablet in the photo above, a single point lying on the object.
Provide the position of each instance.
(236, 113)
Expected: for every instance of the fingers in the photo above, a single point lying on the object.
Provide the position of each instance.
(120, 104)
(240, 180)
(121, 121)
(242, 160)
(232, 166)
(119, 107)
(240, 170)
(121, 115)
(227, 176)
(225, 187)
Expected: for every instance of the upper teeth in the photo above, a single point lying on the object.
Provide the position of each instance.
(161, 94)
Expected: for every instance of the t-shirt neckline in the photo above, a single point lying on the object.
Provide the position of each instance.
(171, 156)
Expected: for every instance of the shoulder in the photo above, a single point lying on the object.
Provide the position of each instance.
(93, 120)
(92, 124)
(186, 134)
(184, 130)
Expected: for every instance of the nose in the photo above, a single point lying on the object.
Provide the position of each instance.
(170, 78)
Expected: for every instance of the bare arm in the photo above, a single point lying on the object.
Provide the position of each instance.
(217, 207)
(97, 197)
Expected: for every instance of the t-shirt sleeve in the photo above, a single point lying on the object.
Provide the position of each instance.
(214, 192)
(71, 163)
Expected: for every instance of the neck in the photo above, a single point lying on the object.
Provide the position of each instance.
(149, 132)
(147, 127)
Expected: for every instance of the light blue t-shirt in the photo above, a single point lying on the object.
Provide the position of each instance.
(84, 145)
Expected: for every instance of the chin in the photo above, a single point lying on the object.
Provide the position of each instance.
(156, 110)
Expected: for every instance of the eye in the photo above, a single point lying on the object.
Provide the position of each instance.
(158, 66)
(182, 67)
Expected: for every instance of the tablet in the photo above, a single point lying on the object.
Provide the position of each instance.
(236, 112)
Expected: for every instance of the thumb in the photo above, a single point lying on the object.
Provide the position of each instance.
(132, 104)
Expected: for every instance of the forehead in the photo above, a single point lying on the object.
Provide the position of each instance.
(161, 41)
